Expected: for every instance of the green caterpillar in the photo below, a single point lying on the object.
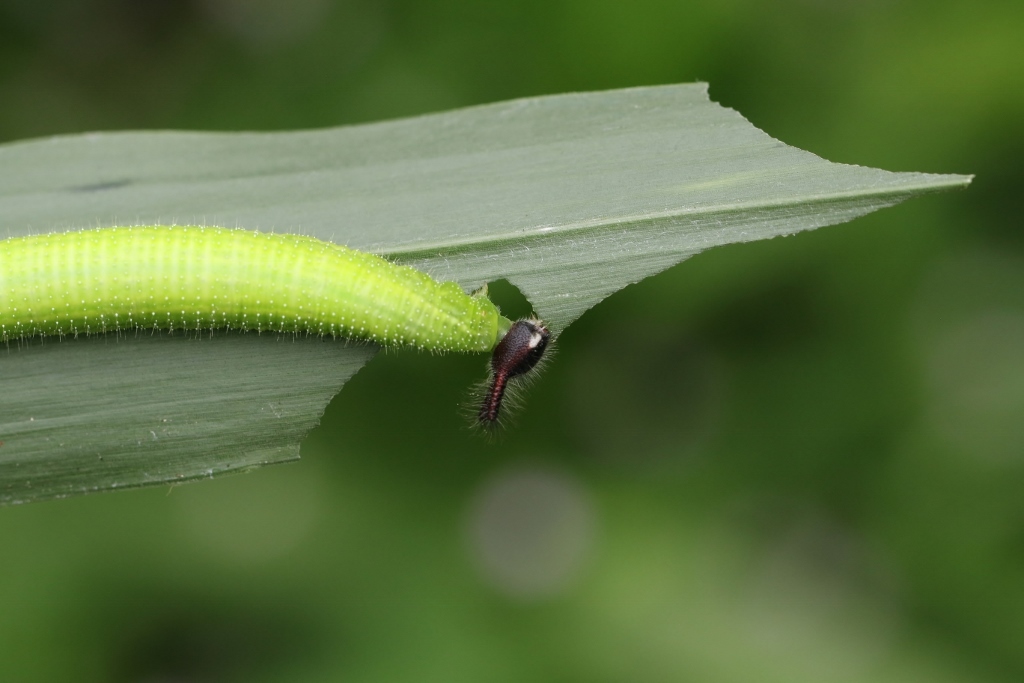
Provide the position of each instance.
(199, 278)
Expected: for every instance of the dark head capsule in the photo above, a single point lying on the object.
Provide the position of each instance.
(516, 354)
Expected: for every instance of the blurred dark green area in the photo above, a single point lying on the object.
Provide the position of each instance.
(794, 460)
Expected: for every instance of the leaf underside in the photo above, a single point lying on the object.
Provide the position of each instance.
(569, 197)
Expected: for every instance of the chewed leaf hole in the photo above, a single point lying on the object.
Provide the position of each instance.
(509, 299)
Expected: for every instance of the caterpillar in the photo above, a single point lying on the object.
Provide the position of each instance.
(204, 278)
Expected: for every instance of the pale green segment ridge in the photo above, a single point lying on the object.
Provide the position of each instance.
(196, 278)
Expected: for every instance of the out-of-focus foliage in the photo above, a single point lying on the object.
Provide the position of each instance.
(795, 460)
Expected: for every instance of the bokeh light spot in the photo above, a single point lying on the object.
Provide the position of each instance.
(530, 531)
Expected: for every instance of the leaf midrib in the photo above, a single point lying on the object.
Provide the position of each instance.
(455, 246)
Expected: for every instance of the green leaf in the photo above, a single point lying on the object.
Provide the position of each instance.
(569, 197)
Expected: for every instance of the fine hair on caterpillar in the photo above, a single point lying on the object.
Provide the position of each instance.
(198, 278)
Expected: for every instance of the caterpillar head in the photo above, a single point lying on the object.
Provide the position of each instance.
(515, 356)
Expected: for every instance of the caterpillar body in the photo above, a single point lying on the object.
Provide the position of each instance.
(199, 278)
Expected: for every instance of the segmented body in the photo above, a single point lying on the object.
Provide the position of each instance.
(197, 278)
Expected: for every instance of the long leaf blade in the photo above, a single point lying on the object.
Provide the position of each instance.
(570, 197)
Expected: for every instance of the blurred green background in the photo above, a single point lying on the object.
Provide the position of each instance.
(795, 460)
